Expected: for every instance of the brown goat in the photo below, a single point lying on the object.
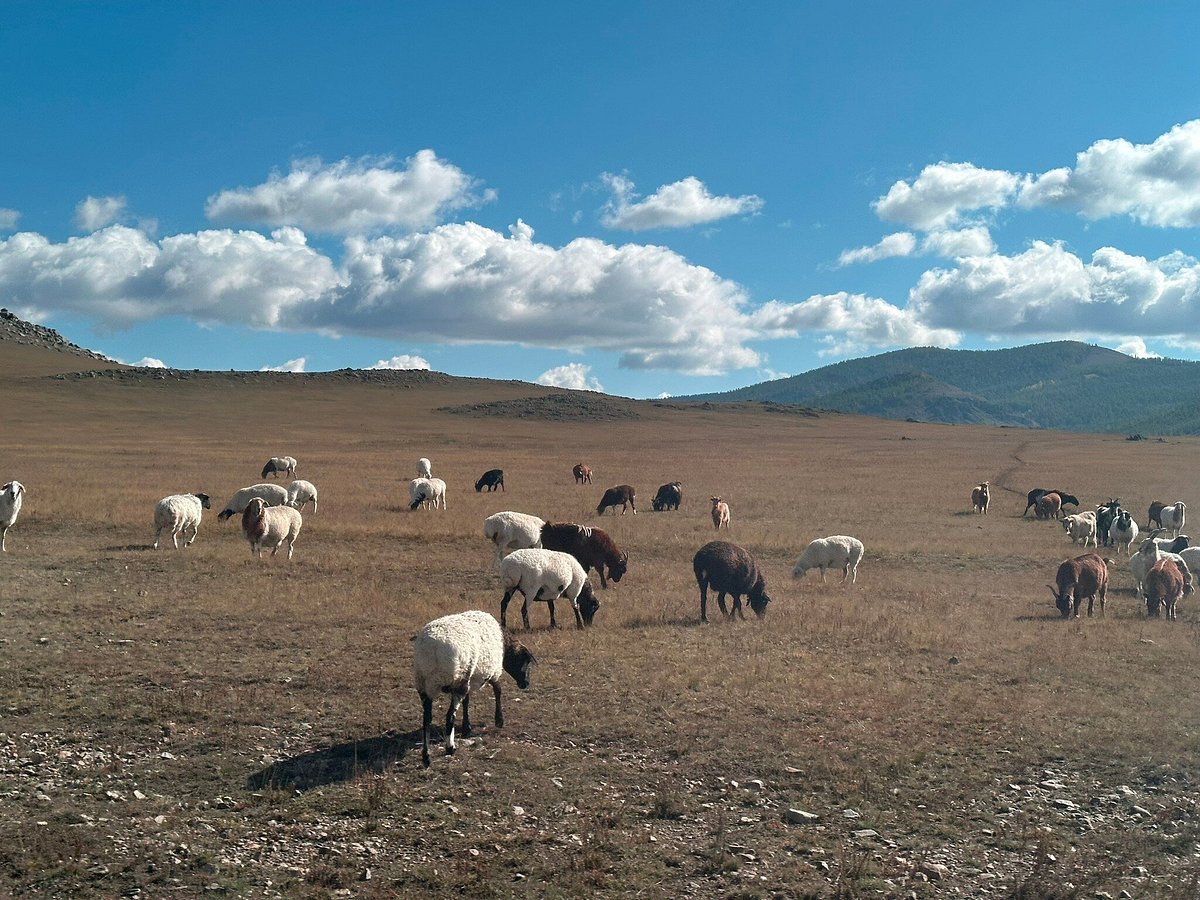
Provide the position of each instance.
(592, 547)
(1083, 577)
(583, 474)
(720, 513)
(980, 498)
(1163, 587)
(1049, 506)
(622, 494)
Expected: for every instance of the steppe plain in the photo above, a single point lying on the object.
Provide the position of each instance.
(202, 723)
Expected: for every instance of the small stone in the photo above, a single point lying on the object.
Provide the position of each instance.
(851, 814)
(756, 784)
(138, 795)
(1062, 803)
(865, 833)
(934, 871)
(954, 660)
(800, 816)
(518, 810)
(473, 852)
(1141, 872)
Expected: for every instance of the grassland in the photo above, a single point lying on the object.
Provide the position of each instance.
(177, 723)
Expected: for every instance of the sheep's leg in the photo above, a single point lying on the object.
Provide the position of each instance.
(504, 607)
(578, 615)
(499, 712)
(737, 608)
(451, 746)
(845, 572)
(314, 506)
(466, 708)
(703, 602)
(175, 536)
(721, 603)
(426, 723)
(822, 568)
(157, 534)
(854, 574)
(553, 620)
(603, 580)
(4, 540)
(291, 547)
(195, 534)
(1103, 592)
(525, 610)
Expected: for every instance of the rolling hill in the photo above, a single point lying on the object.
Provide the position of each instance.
(1063, 384)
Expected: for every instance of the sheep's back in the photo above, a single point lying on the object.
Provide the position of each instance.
(727, 567)
(457, 652)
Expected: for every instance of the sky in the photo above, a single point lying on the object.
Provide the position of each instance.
(645, 199)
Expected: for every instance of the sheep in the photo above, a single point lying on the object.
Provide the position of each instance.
(583, 474)
(1123, 531)
(424, 468)
(729, 569)
(980, 498)
(720, 513)
(1084, 576)
(838, 551)
(591, 546)
(1080, 527)
(12, 495)
(301, 493)
(1106, 513)
(513, 531)
(270, 526)
(1151, 551)
(460, 653)
(273, 494)
(1154, 515)
(1172, 517)
(1163, 587)
(276, 464)
(180, 512)
(547, 575)
(427, 491)
(623, 494)
(1037, 493)
(491, 479)
(1048, 506)
(669, 496)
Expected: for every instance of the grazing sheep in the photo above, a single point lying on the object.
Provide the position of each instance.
(1037, 493)
(591, 546)
(11, 497)
(980, 498)
(1172, 517)
(583, 474)
(623, 494)
(273, 494)
(301, 493)
(1081, 528)
(1123, 531)
(270, 526)
(669, 496)
(720, 513)
(547, 575)
(513, 531)
(729, 569)
(491, 479)
(1154, 516)
(424, 468)
(427, 492)
(1048, 506)
(838, 551)
(180, 512)
(458, 654)
(1163, 588)
(1151, 551)
(1083, 577)
(280, 464)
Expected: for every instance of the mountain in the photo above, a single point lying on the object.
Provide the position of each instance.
(1062, 384)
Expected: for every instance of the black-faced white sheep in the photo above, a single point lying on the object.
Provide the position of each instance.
(301, 493)
(1123, 531)
(621, 494)
(459, 654)
(591, 546)
(513, 531)
(720, 513)
(276, 465)
(273, 494)
(1172, 517)
(583, 474)
(12, 495)
(179, 512)
(1083, 577)
(729, 569)
(491, 479)
(547, 575)
(427, 492)
(838, 551)
(669, 496)
(270, 526)
(980, 498)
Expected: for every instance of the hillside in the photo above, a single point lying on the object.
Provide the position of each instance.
(1064, 384)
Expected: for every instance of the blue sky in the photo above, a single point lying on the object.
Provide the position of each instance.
(651, 198)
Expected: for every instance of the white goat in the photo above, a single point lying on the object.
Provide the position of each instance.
(431, 491)
(1148, 554)
(300, 493)
(1081, 527)
(838, 551)
(547, 575)
(270, 526)
(11, 497)
(179, 512)
(513, 531)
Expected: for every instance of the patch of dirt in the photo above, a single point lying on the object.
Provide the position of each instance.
(575, 406)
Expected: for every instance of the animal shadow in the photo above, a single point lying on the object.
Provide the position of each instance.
(339, 763)
(1044, 617)
(132, 548)
(679, 622)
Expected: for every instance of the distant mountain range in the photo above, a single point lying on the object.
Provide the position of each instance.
(1062, 384)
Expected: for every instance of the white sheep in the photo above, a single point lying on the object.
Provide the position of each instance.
(1081, 527)
(273, 494)
(179, 512)
(424, 468)
(458, 654)
(1172, 518)
(270, 526)
(1143, 561)
(836, 551)
(513, 531)
(12, 495)
(276, 464)
(547, 575)
(300, 493)
(1123, 531)
(431, 491)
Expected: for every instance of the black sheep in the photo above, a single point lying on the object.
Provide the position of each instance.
(729, 569)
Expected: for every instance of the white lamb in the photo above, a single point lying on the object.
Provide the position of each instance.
(458, 654)
(300, 493)
(12, 495)
(424, 468)
(273, 494)
(431, 491)
(513, 531)
(179, 512)
(270, 526)
(1081, 527)
(837, 551)
(1172, 518)
(547, 575)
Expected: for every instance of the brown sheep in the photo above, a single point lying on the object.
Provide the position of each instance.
(592, 547)
(1048, 507)
(980, 498)
(1154, 516)
(1083, 577)
(622, 494)
(1163, 587)
(583, 474)
(720, 513)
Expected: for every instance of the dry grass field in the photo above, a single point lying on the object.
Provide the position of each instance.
(199, 722)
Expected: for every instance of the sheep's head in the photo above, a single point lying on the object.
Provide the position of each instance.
(253, 512)
(1152, 604)
(588, 603)
(618, 567)
(1063, 601)
(1069, 499)
(518, 660)
(758, 598)
(799, 570)
(14, 489)
(205, 500)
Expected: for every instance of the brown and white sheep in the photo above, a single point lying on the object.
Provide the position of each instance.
(621, 494)
(729, 569)
(720, 513)
(1049, 506)
(591, 546)
(980, 498)
(583, 474)
(1084, 577)
(1164, 588)
(270, 526)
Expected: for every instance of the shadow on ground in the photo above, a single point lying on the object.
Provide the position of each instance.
(339, 763)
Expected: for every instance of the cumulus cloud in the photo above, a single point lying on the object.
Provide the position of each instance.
(857, 320)
(149, 362)
(573, 375)
(902, 243)
(8, 218)
(292, 365)
(940, 196)
(1136, 347)
(93, 213)
(973, 241)
(404, 361)
(353, 196)
(677, 205)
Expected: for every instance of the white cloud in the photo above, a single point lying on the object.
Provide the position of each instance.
(942, 193)
(352, 196)
(8, 218)
(859, 320)
(902, 243)
(149, 362)
(973, 241)
(573, 375)
(404, 361)
(292, 365)
(677, 205)
(94, 213)
(1136, 347)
